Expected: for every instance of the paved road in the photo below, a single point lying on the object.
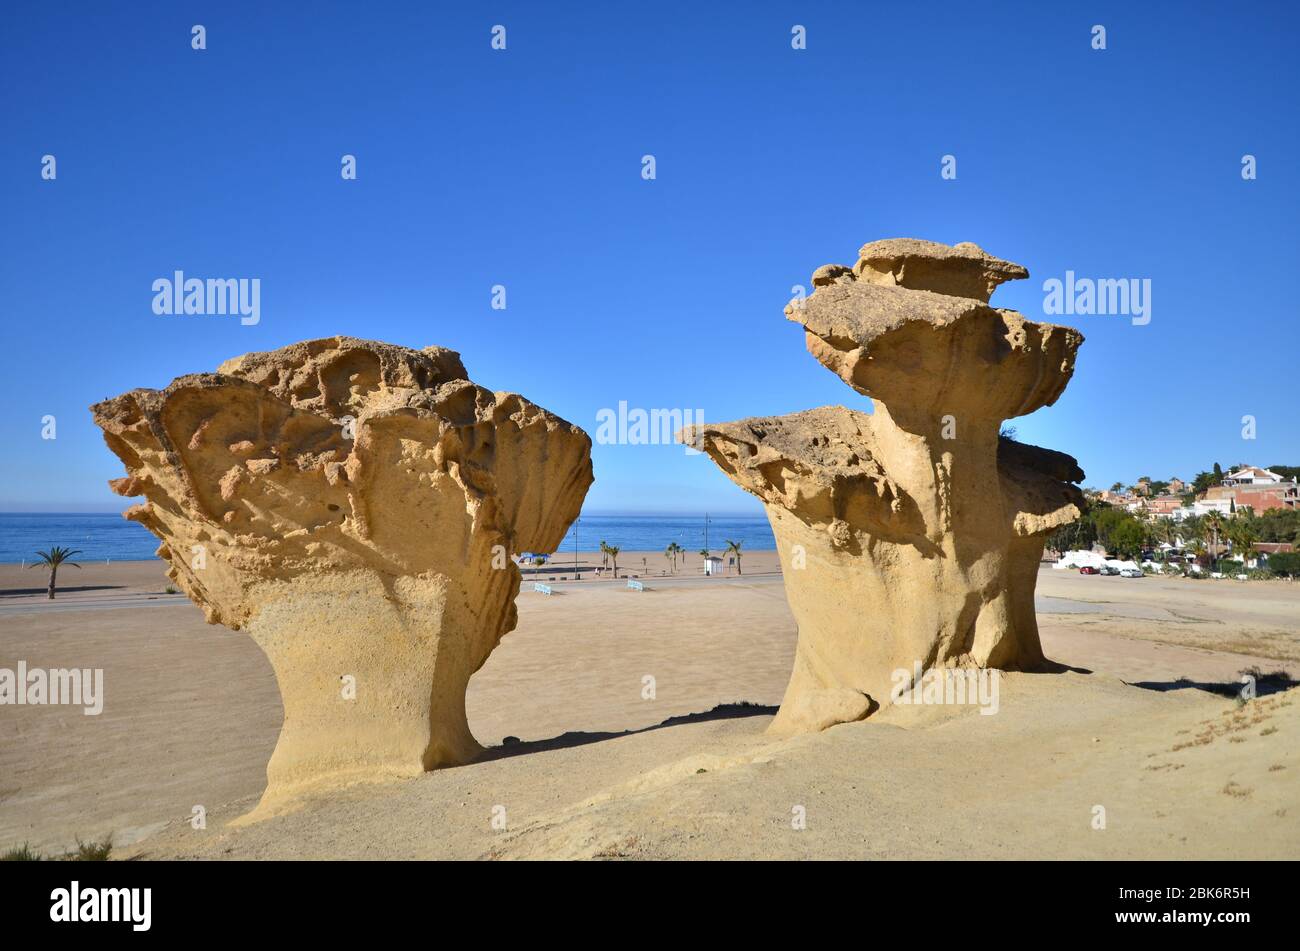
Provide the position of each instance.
(651, 583)
(171, 600)
(1046, 604)
(99, 604)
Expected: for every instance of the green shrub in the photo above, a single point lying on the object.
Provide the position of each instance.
(92, 851)
(85, 852)
(21, 853)
(1285, 563)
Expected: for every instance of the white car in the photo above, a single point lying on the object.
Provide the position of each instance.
(1130, 573)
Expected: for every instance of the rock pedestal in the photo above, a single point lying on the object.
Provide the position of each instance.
(912, 534)
(351, 505)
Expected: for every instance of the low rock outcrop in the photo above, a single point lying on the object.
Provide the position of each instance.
(911, 535)
(352, 505)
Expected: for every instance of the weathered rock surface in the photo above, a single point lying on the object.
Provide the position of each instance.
(352, 506)
(912, 534)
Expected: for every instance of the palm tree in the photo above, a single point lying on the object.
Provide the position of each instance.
(1243, 536)
(604, 554)
(1191, 529)
(1150, 531)
(672, 551)
(53, 558)
(1213, 526)
(1164, 532)
(612, 551)
(733, 548)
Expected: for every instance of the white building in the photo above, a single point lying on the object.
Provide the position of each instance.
(1205, 506)
(713, 565)
(1252, 475)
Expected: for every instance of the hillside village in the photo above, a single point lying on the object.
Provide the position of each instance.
(1240, 523)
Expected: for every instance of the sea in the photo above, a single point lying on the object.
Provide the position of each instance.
(109, 537)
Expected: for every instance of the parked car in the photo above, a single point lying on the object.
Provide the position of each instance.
(1130, 573)
(1108, 570)
(1088, 570)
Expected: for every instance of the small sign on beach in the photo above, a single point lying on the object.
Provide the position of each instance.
(541, 588)
(635, 585)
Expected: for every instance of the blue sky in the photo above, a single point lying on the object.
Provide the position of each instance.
(523, 168)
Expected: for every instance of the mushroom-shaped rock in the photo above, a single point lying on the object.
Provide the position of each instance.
(911, 535)
(351, 505)
(962, 270)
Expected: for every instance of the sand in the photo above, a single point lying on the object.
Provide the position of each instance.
(192, 714)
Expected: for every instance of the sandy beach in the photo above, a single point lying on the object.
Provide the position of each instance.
(597, 764)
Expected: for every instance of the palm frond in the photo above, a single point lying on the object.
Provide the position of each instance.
(56, 556)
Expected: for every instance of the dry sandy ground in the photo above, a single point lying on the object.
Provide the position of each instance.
(192, 714)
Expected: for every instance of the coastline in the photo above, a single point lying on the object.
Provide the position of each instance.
(147, 578)
(585, 557)
(101, 536)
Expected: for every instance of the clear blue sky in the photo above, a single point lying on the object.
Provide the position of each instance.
(523, 168)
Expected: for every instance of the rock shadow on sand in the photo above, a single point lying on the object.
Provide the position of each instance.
(513, 746)
(1266, 684)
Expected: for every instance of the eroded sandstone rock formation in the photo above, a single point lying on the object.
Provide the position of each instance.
(912, 534)
(351, 505)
